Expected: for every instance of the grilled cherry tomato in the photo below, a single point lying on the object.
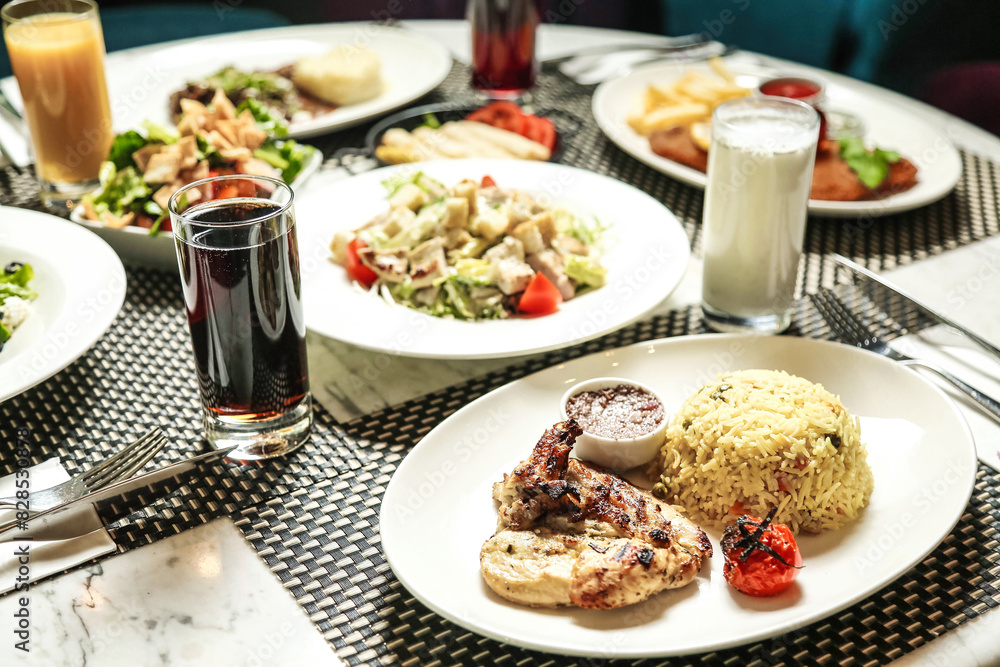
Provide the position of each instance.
(761, 559)
(355, 269)
(541, 297)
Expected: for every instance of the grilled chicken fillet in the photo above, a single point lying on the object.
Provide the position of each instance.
(571, 533)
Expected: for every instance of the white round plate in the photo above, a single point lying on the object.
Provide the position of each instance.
(920, 451)
(81, 287)
(887, 126)
(141, 80)
(646, 254)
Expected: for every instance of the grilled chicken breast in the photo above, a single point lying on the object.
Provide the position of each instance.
(571, 533)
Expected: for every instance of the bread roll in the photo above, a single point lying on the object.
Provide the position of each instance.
(345, 75)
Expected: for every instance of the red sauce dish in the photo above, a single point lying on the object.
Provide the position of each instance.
(796, 88)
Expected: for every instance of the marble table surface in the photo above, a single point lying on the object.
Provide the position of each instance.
(205, 597)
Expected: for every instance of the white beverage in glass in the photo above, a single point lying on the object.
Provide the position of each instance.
(760, 168)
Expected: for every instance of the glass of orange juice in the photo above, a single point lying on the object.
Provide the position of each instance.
(56, 50)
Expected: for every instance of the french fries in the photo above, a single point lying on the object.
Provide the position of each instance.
(690, 99)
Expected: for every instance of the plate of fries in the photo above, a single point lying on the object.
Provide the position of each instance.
(661, 96)
(688, 99)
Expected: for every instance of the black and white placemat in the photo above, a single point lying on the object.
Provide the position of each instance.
(313, 516)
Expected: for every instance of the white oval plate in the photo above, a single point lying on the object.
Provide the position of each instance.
(886, 126)
(81, 287)
(646, 257)
(437, 510)
(137, 246)
(140, 81)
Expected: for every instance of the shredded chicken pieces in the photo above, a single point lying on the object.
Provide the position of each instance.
(570, 533)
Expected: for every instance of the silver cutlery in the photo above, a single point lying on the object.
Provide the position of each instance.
(665, 44)
(850, 328)
(943, 319)
(121, 466)
(111, 503)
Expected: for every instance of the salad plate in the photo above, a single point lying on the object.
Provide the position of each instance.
(80, 283)
(919, 447)
(141, 81)
(644, 250)
(886, 126)
(137, 245)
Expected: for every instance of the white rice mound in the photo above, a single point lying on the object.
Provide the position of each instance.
(763, 438)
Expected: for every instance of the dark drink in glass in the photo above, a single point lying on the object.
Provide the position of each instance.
(239, 267)
(503, 46)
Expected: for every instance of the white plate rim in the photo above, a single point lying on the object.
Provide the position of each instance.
(672, 230)
(566, 650)
(111, 277)
(615, 130)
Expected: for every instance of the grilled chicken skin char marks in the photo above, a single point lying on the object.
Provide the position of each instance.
(570, 532)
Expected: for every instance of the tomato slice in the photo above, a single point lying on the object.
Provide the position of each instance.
(531, 128)
(227, 191)
(540, 298)
(488, 182)
(355, 269)
(546, 133)
(504, 115)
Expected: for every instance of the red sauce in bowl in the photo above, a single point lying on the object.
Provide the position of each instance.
(797, 89)
(803, 90)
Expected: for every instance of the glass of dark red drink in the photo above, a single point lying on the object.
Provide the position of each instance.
(503, 46)
(239, 266)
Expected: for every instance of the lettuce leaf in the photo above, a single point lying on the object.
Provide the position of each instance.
(119, 189)
(159, 133)
(122, 148)
(267, 119)
(290, 157)
(872, 167)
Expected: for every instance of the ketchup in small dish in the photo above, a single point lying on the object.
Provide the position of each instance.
(797, 89)
(804, 90)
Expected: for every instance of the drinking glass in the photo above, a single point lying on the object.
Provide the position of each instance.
(56, 50)
(239, 264)
(503, 46)
(760, 167)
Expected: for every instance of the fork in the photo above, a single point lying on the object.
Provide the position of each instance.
(119, 467)
(850, 328)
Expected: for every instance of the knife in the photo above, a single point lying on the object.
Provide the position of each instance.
(113, 502)
(943, 319)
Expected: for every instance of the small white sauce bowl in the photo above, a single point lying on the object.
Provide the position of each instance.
(609, 452)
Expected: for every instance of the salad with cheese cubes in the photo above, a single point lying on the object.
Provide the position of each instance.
(472, 251)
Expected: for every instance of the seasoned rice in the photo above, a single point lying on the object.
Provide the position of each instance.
(754, 439)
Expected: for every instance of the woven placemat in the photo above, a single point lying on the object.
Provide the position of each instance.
(313, 516)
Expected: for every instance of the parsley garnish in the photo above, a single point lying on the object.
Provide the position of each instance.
(872, 167)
